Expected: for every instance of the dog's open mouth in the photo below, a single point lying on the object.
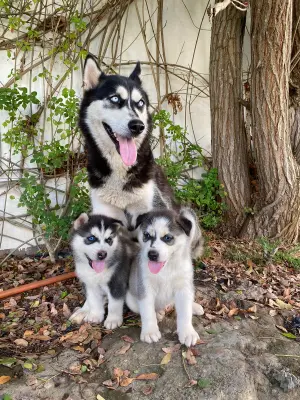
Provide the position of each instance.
(98, 266)
(126, 147)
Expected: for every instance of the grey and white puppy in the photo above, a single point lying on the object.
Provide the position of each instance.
(163, 273)
(103, 255)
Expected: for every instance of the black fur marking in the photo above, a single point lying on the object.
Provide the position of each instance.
(185, 224)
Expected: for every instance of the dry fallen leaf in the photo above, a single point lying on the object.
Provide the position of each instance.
(78, 348)
(127, 339)
(66, 310)
(38, 337)
(191, 383)
(147, 377)
(99, 397)
(282, 305)
(273, 313)
(281, 328)
(189, 356)
(53, 310)
(123, 349)
(252, 309)
(166, 359)
(118, 372)
(21, 342)
(4, 379)
(125, 381)
(233, 311)
(147, 390)
(173, 349)
(27, 333)
(108, 383)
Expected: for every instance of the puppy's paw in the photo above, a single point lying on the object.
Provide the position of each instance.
(113, 321)
(150, 335)
(84, 314)
(188, 336)
(197, 309)
(160, 315)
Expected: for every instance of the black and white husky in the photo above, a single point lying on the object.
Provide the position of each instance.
(163, 273)
(116, 123)
(103, 256)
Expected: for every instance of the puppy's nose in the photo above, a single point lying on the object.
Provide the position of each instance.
(102, 255)
(153, 255)
(136, 126)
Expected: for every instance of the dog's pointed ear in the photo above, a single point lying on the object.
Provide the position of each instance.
(81, 220)
(117, 224)
(135, 74)
(91, 73)
(140, 219)
(185, 224)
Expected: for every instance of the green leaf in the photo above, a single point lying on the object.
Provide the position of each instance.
(83, 368)
(64, 294)
(289, 335)
(6, 397)
(8, 361)
(12, 197)
(28, 365)
(203, 383)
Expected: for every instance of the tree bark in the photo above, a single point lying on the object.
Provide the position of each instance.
(295, 82)
(277, 208)
(229, 146)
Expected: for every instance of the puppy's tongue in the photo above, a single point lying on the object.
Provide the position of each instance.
(127, 150)
(155, 266)
(98, 266)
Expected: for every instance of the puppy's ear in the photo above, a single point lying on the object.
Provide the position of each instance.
(135, 74)
(140, 219)
(91, 73)
(81, 220)
(185, 224)
(117, 224)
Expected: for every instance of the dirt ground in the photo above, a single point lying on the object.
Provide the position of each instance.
(249, 347)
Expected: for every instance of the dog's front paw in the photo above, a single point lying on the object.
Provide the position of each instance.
(84, 314)
(150, 335)
(113, 321)
(197, 309)
(188, 336)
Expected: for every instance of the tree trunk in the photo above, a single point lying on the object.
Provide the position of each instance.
(277, 207)
(229, 146)
(295, 82)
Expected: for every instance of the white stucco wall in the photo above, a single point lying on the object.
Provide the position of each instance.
(184, 45)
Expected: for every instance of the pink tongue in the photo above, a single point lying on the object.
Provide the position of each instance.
(127, 150)
(155, 267)
(98, 266)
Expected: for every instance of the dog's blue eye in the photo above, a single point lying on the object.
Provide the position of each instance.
(109, 241)
(141, 103)
(114, 99)
(167, 238)
(92, 239)
(146, 236)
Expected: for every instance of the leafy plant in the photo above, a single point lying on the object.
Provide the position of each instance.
(180, 157)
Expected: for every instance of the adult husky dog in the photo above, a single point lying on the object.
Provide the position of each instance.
(116, 123)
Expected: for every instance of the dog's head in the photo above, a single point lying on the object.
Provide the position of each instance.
(161, 234)
(115, 110)
(94, 240)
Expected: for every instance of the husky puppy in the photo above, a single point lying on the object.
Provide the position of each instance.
(163, 273)
(116, 124)
(103, 255)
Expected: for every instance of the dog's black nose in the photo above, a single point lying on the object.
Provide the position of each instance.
(153, 255)
(136, 126)
(102, 255)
